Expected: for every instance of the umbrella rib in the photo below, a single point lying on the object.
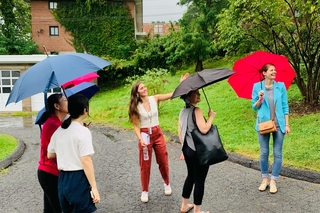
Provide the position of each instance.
(243, 88)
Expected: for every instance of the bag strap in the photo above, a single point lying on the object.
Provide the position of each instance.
(274, 107)
(273, 114)
(194, 118)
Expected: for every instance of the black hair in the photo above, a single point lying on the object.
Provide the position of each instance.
(52, 100)
(76, 105)
(186, 99)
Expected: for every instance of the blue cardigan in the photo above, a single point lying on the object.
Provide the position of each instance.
(280, 100)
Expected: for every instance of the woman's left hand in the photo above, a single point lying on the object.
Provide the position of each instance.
(287, 130)
(181, 157)
(183, 77)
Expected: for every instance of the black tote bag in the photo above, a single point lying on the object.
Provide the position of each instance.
(208, 146)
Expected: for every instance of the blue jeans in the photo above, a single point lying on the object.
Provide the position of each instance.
(278, 137)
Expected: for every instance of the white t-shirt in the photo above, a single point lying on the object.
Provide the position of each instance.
(70, 144)
(148, 119)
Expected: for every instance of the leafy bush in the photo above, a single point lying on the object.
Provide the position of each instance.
(115, 74)
(151, 54)
(154, 79)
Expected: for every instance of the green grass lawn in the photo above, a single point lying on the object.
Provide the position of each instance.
(235, 119)
(7, 144)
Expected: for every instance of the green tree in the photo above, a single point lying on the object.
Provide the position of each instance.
(285, 27)
(199, 25)
(15, 31)
(194, 47)
(202, 14)
(7, 14)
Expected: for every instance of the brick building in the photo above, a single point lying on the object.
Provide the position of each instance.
(46, 31)
(160, 28)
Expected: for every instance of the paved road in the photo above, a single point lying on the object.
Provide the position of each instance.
(230, 187)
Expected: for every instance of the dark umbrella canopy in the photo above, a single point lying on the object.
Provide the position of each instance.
(201, 79)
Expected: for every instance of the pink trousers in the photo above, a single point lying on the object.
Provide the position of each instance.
(158, 143)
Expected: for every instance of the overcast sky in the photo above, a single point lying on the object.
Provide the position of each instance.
(162, 10)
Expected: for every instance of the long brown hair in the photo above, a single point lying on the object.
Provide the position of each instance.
(134, 101)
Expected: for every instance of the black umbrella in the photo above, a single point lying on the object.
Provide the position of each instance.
(201, 79)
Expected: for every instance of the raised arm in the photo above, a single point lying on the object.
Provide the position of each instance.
(163, 97)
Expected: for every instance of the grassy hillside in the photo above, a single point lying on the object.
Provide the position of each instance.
(235, 118)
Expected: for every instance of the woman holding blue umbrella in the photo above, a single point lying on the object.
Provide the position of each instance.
(47, 170)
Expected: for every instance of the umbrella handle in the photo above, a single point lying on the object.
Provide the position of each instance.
(206, 98)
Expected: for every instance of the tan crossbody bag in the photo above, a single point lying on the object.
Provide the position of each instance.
(268, 126)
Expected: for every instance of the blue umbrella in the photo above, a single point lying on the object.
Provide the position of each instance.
(52, 72)
(85, 88)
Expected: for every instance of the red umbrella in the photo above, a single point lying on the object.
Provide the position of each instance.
(85, 78)
(247, 72)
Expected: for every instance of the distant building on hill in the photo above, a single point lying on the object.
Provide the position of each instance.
(160, 28)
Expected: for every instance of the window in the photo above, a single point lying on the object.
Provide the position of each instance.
(54, 31)
(53, 5)
(7, 80)
(157, 29)
(56, 90)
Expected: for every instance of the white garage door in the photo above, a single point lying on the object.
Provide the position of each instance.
(7, 80)
(37, 101)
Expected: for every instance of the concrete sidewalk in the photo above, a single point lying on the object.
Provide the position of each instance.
(230, 187)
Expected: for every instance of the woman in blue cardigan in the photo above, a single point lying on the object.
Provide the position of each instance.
(270, 99)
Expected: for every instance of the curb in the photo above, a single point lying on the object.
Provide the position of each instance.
(299, 174)
(17, 153)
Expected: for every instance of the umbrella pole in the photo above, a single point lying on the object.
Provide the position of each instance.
(45, 95)
(64, 92)
(206, 98)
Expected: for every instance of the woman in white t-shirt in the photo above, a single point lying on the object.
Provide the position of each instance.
(72, 144)
(143, 113)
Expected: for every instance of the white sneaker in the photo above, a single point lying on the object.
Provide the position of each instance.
(167, 189)
(144, 197)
